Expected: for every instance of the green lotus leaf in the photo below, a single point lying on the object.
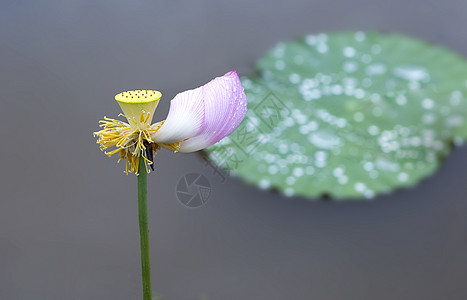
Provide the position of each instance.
(348, 115)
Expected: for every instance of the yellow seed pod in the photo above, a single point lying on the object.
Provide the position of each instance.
(138, 106)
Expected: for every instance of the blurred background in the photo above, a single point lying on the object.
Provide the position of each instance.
(68, 214)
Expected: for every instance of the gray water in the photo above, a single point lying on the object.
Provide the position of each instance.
(68, 215)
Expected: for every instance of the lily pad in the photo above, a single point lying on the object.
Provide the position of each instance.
(349, 115)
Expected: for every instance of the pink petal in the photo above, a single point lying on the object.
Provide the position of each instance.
(220, 105)
(185, 118)
(225, 106)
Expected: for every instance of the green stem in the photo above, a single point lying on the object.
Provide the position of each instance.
(144, 229)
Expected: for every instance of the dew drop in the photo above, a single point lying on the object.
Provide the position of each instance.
(294, 78)
(360, 187)
(324, 140)
(375, 70)
(350, 66)
(310, 170)
(428, 103)
(360, 36)
(289, 192)
(273, 169)
(280, 65)
(402, 177)
(298, 172)
(348, 52)
(264, 184)
(411, 73)
(290, 180)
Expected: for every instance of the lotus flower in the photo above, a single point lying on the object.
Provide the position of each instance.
(197, 119)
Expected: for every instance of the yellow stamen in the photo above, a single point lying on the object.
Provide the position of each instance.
(129, 141)
(174, 146)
